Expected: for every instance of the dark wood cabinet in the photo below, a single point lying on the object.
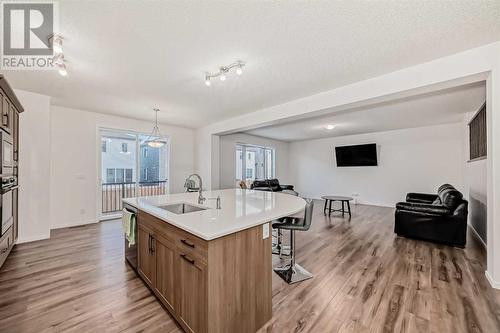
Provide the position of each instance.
(10, 108)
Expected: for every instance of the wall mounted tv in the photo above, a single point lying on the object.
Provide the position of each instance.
(359, 155)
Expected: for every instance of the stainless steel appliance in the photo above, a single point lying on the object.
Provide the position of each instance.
(7, 153)
(131, 251)
(9, 183)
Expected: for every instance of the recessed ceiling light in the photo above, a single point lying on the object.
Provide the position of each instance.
(330, 127)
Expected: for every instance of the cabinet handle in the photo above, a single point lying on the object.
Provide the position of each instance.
(153, 240)
(185, 242)
(149, 243)
(185, 257)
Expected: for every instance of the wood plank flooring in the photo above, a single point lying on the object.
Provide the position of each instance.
(365, 280)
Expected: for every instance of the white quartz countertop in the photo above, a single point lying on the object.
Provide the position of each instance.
(241, 209)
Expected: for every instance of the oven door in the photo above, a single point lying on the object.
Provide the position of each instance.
(7, 211)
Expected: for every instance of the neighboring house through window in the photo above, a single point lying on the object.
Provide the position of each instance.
(124, 147)
(104, 146)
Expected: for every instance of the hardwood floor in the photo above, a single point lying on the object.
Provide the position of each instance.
(365, 280)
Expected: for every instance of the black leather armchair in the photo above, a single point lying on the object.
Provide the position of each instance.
(272, 185)
(438, 217)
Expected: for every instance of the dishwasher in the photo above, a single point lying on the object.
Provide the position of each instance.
(131, 251)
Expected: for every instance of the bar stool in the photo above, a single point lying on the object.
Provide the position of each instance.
(278, 247)
(293, 272)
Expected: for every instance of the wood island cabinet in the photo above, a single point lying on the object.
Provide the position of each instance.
(221, 285)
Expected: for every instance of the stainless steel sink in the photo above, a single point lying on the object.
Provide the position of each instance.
(182, 208)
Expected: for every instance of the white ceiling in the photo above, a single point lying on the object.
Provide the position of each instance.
(125, 57)
(447, 106)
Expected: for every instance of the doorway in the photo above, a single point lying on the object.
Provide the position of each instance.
(129, 167)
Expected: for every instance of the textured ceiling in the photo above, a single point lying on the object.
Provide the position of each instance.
(125, 57)
(440, 107)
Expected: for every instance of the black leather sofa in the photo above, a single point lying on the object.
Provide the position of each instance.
(272, 185)
(440, 217)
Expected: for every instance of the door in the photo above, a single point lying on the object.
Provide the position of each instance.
(129, 168)
(193, 294)
(146, 265)
(165, 271)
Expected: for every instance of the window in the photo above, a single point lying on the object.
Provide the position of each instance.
(145, 152)
(104, 146)
(478, 134)
(128, 176)
(110, 175)
(120, 176)
(249, 173)
(254, 162)
(144, 174)
(124, 147)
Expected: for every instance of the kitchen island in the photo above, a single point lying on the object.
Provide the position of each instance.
(211, 268)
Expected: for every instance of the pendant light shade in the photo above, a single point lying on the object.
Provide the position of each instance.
(155, 139)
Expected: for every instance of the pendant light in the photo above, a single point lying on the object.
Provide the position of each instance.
(155, 138)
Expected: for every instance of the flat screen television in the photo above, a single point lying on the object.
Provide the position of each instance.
(359, 155)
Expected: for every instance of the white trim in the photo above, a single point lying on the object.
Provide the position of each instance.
(475, 233)
(34, 238)
(75, 224)
(493, 283)
(110, 217)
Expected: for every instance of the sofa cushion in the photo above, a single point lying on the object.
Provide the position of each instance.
(450, 198)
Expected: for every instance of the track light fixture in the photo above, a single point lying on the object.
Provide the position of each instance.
(223, 71)
(57, 46)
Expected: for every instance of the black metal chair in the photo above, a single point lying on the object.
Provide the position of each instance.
(293, 272)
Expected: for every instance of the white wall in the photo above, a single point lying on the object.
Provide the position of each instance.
(228, 162)
(475, 185)
(34, 167)
(409, 160)
(74, 161)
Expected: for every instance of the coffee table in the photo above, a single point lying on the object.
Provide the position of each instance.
(332, 198)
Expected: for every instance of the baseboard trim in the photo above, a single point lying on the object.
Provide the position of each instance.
(73, 224)
(34, 238)
(493, 283)
(474, 232)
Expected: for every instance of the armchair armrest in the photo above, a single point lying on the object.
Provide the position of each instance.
(421, 197)
(286, 187)
(423, 208)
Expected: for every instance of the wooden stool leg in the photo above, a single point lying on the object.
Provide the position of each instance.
(324, 209)
(349, 208)
(330, 208)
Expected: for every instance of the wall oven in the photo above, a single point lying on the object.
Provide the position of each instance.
(7, 153)
(9, 183)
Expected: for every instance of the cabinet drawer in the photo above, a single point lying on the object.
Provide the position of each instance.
(190, 243)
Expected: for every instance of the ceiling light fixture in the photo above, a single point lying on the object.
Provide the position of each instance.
(330, 127)
(62, 70)
(58, 60)
(155, 139)
(223, 70)
(57, 43)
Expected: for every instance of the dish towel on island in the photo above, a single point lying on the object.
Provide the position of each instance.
(128, 223)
